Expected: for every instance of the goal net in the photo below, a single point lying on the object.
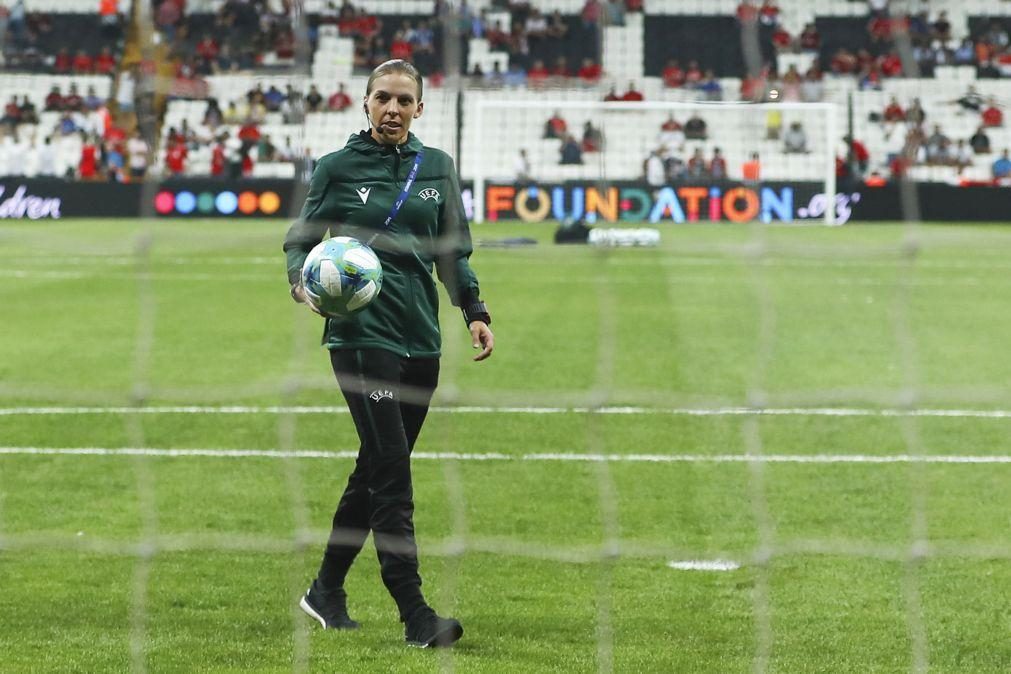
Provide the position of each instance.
(752, 447)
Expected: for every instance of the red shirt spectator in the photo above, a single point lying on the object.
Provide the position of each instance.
(108, 8)
(346, 24)
(63, 62)
(12, 111)
(992, 116)
(169, 13)
(843, 62)
(632, 94)
(105, 62)
(590, 71)
(54, 101)
(841, 168)
(752, 88)
(88, 165)
(83, 63)
(897, 167)
(556, 127)
(366, 25)
(694, 74)
(497, 38)
(718, 167)
(984, 51)
(769, 13)
(860, 152)
(73, 101)
(249, 133)
(780, 38)
(891, 65)
(208, 49)
(537, 74)
(810, 40)
(870, 78)
(894, 112)
(400, 48)
(751, 170)
(115, 135)
(673, 76)
(218, 160)
(864, 60)
(561, 68)
(175, 136)
(746, 12)
(175, 158)
(339, 100)
(697, 165)
(284, 45)
(880, 28)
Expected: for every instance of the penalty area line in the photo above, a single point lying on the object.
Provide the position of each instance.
(576, 457)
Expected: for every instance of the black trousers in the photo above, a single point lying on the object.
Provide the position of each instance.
(388, 397)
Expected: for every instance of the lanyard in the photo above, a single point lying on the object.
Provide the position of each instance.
(405, 192)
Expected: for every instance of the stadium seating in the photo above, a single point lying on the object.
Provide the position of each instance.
(705, 30)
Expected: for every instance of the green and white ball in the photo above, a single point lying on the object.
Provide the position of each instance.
(341, 276)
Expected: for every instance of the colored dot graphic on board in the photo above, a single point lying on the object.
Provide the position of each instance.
(270, 203)
(205, 202)
(186, 202)
(226, 203)
(222, 203)
(164, 202)
(248, 203)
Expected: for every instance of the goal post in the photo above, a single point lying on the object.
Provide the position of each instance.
(501, 125)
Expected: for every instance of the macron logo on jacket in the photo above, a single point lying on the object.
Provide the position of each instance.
(363, 193)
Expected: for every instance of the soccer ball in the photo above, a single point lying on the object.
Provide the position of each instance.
(341, 276)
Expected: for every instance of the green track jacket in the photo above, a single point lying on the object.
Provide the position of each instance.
(351, 194)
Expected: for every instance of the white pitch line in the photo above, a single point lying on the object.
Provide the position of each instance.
(473, 409)
(202, 277)
(704, 565)
(575, 457)
(673, 259)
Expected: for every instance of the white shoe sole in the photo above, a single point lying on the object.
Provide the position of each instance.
(304, 605)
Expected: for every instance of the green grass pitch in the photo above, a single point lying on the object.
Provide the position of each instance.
(194, 563)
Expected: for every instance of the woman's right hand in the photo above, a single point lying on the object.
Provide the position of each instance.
(298, 294)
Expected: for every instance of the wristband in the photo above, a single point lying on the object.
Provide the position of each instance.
(477, 311)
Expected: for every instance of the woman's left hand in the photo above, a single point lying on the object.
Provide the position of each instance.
(483, 339)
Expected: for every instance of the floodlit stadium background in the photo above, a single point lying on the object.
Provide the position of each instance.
(765, 444)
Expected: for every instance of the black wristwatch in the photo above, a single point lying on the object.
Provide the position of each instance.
(476, 311)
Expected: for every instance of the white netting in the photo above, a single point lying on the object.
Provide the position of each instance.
(495, 125)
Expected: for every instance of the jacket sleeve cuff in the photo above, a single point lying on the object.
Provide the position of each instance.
(477, 311)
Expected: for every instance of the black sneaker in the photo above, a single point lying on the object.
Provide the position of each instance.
(329, 608)
(425, 629)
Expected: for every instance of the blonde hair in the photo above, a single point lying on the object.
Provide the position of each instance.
(395, 66)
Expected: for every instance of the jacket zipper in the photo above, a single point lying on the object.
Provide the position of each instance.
(396, 165)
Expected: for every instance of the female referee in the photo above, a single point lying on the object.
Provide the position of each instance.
(386, 188)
